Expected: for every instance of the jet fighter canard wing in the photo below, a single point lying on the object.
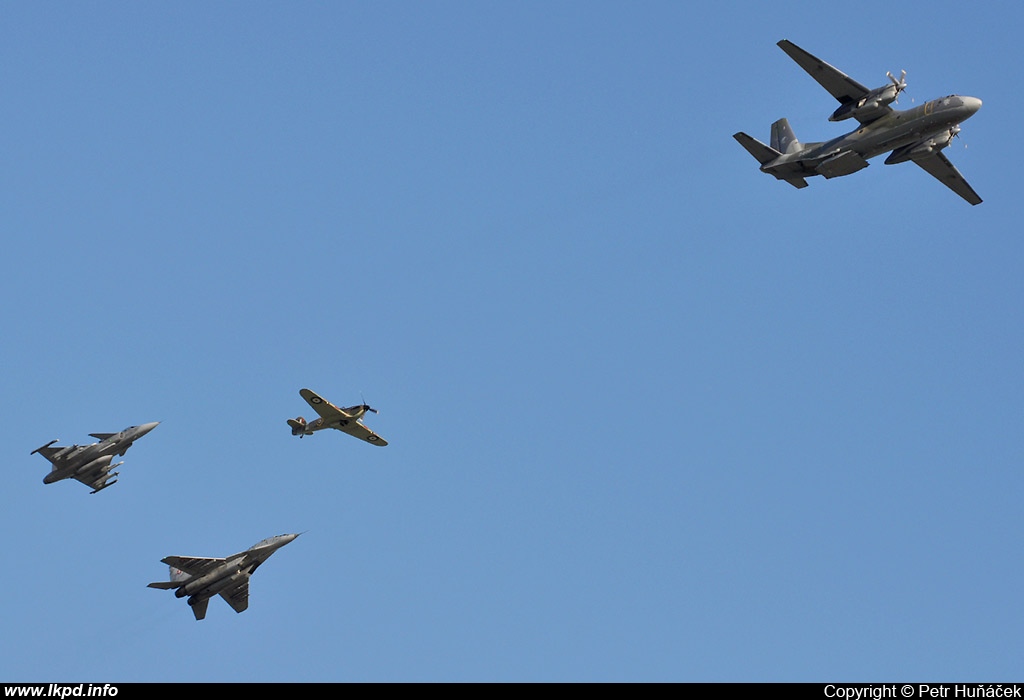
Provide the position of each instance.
(938, 165)
(326, 409)
(193, 566)
(237, 596)
(102, 436)
(357, 429)
(839, 84)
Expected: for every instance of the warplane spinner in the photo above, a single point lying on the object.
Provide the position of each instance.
(918, 134)
(347, 420)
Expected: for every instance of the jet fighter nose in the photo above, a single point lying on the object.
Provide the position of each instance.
(282, 540)
(146, 427)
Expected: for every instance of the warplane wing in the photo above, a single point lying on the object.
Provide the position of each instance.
(327, 410)
(357, 429)
(193, 566)
(839, 84)
(334, 417)
(938, 165)
(48, 451)
(238, 596)
(96, 483)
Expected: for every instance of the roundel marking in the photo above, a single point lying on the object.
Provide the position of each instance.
(316, 399)
(372, 438)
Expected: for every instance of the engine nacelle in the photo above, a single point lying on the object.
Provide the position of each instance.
(922, 148)
(871, 105)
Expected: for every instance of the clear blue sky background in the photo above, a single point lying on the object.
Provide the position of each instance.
(654, 416)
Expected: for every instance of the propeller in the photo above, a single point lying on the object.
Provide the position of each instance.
(366, 406)
(900, 84)
(954, 131)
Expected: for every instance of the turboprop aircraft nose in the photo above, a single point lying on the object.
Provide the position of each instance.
(972, 104)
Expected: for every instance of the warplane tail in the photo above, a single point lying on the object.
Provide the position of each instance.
(763, 153)
(178, 577)
(163, 585)
(783, 138)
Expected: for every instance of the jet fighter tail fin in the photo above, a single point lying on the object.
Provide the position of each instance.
(783, 138)
(764, 154)
(177, 575)
(199, 608)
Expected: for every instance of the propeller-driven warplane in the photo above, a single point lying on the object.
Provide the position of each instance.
(918, 134)
(201, 578)
(347, 420)
(90, 464)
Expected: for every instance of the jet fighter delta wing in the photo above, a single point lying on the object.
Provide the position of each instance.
(347, 420)
(918, 134)
(91, 464)
(201, 578)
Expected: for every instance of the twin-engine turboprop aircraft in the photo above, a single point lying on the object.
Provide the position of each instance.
(918, 134)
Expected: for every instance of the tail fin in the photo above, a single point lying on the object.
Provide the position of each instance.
(199, 608)
(783, 138)
(761, 152)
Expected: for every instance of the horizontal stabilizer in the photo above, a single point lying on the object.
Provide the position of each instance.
(762, 152)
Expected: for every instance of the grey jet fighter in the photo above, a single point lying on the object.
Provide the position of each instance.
(201, 578)
(90, 464)
(918, 134)
(347, 420)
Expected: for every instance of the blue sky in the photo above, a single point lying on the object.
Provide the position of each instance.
(653, 415)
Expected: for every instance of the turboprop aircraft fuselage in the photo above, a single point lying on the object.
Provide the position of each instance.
(889, 132)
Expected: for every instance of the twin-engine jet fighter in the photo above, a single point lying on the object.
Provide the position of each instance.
(918, 134)
(90, 464)
(201, 578)
(344, 419)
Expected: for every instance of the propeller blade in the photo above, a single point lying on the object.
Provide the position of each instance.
(900, 84)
